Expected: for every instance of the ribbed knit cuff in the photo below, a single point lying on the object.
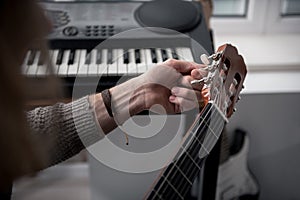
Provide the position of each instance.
(86, 124)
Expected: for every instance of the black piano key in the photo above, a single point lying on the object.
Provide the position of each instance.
(126, 57)
(41, 60)
(59, 57)
(153, 55)
(137, 55)
(109, 57)
(31, 57)
(164, 54)
(71, 57)
(174, 54)
(98, 57)
(88, 59)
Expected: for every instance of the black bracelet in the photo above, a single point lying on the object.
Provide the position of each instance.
(106, 96)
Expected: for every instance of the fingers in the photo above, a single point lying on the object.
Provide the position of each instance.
(198, 73)
(182, 104)
(182, 66)
(185, 99)
(186, 93)
(185, 81)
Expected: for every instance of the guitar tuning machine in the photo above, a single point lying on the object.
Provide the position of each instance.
(207, 59)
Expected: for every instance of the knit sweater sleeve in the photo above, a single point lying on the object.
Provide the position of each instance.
(65, 129)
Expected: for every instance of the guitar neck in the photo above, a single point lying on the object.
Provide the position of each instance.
(177, 178)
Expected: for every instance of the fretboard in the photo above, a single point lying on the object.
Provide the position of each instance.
(176, 180)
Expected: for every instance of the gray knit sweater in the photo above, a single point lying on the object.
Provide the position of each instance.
(65, 128)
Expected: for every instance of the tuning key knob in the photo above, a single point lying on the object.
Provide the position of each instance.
(239, 98)
(234, 109)
(205, 59)
(243, 87)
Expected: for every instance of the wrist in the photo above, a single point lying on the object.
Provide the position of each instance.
(128, 99)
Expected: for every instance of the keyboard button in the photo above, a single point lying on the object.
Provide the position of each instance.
(131, 66)
(71, 57)
(164, 54)
(122, 67)
(113, 66)
(63, 68)
(83, 68)
(153, 55)
(102, 71)
(137, 56)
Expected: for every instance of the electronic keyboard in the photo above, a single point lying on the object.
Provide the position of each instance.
(98, 39)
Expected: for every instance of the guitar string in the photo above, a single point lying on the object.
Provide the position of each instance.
(197, 150)
(163, 182)
(201, 123)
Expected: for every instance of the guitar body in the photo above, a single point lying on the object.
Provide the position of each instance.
(235, 180)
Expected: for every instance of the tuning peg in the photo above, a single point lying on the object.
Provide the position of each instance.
(234, 109)
(235, 82)
(205, 59)
(239, 98)
(243, 87)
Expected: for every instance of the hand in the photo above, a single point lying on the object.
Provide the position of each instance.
(168, 85)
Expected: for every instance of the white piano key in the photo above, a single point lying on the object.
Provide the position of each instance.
(93, 67)
(159, 57)
(179, 53)
(73, 68)
(83, 68)
(32, 69)
(53, 61)
(63, 68)
(131, 66)
(24, 64)
(186, 53)
(148, 59)
(142, 67)
(169, 53)
(43, 69)
(122, 67)
(113, 67)
(102, 67)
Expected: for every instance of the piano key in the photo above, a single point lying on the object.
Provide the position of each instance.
(174, 54)
(88, 59)
(122, 67)
(153, 55)
(31, 57)
(93, 67)
(103, 67)
(142, 66)
(98, 58)
(109, 56)
(159, 57)
(32, 69)
(83, 68)
(63, 68)
(24, 65)
(186, 53)
(113, 66)
(164, 55)
(137, 56)
(43, 69)
(131, 66)
(73, 68)
(126, 56)
(59, 57)
(148, 59)
(53, 61)
(71, 57)
(169, 53)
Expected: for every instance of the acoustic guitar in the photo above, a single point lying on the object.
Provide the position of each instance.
(222, 85)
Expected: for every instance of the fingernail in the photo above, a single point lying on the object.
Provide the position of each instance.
(172, 98)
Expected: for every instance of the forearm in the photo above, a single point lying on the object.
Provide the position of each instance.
(64, 129)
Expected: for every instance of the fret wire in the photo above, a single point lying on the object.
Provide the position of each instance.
(206, 113)
(183, 174)
(171, 185)
(193, 169)
(157, 195)
(201, 123)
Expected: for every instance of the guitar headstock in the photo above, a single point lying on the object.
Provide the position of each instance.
(224, 81)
